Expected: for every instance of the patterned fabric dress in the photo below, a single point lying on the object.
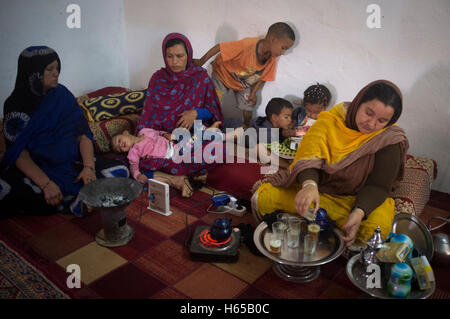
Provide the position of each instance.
(168, 95)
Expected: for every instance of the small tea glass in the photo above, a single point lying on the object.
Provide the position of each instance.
(310, 244)
(277, 237)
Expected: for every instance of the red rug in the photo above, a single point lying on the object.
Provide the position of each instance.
(20, 280)
(156, 263)
(237, 178)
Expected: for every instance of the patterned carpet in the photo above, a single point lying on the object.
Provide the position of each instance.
(156, 263)
(20, 280)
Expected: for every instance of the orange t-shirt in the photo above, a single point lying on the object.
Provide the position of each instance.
(237, 65)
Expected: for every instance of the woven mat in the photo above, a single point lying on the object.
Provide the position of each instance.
(21, 280)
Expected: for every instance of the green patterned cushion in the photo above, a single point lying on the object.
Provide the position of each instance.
(282, 149)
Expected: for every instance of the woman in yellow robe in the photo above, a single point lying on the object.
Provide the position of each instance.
(347, 163)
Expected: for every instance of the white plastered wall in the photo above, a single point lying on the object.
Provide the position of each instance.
(92, 56)
(119, 43)
(335, 47)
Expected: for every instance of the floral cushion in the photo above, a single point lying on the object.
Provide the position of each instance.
(99, 108)
(413, 192)
(103, 131)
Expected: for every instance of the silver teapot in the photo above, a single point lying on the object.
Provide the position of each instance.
(441, 244)
(374, 244)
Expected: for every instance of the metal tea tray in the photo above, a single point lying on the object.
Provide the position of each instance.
(414, 228)
(291, 264)
(357, 274)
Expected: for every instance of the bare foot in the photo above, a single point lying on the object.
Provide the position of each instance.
(233, 136)
(201, 178)
(185, 186)
(163, 177)
(179, 182)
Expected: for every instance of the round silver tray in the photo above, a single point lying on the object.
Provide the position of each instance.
(408, 224)
(357, 274)
(291, 264)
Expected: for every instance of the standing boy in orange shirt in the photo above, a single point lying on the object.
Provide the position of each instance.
(242, 67)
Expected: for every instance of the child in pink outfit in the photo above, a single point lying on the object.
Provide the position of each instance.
(150, 143)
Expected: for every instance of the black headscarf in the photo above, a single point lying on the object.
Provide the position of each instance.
(28, 90)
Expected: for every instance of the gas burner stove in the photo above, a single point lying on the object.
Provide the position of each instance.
(204, 248)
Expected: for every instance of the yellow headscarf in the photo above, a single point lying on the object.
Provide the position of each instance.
(333, 143)
(330, 139)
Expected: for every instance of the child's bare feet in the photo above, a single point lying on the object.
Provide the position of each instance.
(233, 136)
(186, 188)
(201, 178)
(180, 182)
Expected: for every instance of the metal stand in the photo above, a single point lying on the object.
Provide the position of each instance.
(296, 273)
(102, 240)
(112, 196)
(291, 264)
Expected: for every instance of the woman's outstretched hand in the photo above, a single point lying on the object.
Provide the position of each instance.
(351, 227)
(305, 197)
(187, 119)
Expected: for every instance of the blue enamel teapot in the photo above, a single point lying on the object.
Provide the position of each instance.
(221, 229)
(321, 219)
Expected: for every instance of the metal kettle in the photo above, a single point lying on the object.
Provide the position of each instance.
(441, 244)
(221, 229)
